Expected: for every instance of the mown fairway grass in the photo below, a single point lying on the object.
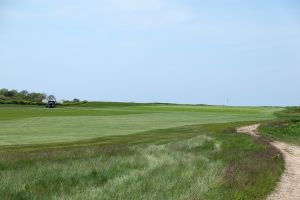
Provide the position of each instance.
(35, 125)
(105, 151)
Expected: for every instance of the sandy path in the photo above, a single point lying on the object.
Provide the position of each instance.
(288, 187)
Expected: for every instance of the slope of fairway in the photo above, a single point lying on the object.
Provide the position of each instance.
(35, 125)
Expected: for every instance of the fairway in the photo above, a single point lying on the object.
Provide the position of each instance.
(101, 150)
(36, 125)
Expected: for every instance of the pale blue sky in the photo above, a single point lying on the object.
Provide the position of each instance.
(191, 51)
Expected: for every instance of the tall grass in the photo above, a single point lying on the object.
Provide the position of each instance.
(286, 127)
(191, 162)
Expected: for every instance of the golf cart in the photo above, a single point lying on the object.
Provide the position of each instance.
(51, 104)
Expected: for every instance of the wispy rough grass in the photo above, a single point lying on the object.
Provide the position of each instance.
(191, 162)
(286, 127)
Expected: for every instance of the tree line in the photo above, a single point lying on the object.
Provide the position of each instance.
(25, 97)
(6, 94)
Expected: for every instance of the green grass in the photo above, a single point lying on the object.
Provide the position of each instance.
(209, 162)
(286, 128)
(133, 151)
(35, 125)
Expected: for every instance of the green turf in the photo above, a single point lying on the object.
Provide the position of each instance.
(103, 150)
(35, 125)
(285, 128)
(210, 162)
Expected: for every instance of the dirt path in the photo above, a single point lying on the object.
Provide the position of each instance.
(288, 187)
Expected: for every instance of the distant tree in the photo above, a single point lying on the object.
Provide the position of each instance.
(11, 93)
(24, 93)
(43, 95)
(35, 96)
(76, 100)
(2, 97)
(13, 96)
(51, 98)
(3, 91)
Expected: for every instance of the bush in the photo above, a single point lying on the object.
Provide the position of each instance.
(76, 101)
(20, 102)
(2, 97)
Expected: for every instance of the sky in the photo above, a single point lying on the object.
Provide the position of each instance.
(192, 51)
